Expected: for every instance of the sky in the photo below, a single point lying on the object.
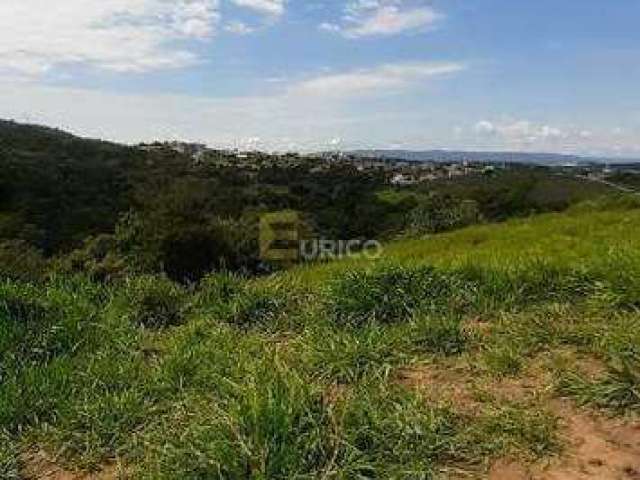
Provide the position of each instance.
(544, 75)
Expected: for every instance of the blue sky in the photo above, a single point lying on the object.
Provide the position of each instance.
(557, 76)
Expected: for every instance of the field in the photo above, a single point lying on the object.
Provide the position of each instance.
(505, 351)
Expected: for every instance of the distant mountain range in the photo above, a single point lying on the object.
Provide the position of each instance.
(449, 156)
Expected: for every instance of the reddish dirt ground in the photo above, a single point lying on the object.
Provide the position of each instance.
(595, 448)
(37, 465)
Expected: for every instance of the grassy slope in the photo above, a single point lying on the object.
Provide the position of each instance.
(581, 234)
(313, 373)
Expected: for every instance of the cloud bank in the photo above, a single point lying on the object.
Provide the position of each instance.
(124, 36)
(118, 35)
(386, 78)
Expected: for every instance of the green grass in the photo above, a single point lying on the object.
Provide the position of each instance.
(298, 375)
(9, 469)
(619, 390)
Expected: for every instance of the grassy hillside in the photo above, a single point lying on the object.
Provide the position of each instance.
(446, 358)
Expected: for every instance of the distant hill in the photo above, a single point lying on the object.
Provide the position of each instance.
(56, 188)
(547, 159)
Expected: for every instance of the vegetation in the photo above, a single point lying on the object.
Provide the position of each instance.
(135, 334)
(389, 368)
(77, 206)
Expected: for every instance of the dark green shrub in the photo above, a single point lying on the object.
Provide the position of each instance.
(21, 261)
(441, 213)
(98, 258)
(154, 301)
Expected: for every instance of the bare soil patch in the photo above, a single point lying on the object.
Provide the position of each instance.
(38, 465)
(595, 448)
(441, 385)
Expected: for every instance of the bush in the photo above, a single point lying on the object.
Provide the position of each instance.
(154, 301)
(98, 258)
(441, 213)
(20, 261)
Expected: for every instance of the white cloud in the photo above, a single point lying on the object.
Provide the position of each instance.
(364, 18)
(273, 8)
(585, 134)
(238, 28)
(329, 27)
(383, 79)
(520, 131)
(485, 127)
(119, 35)
(527, 135)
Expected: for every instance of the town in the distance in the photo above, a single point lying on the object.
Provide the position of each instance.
(406, 167)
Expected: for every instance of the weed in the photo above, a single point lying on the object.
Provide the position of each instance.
(619, 390)
(347, 355)
(438, 334)
(154, 302)
(504, 360)
(391, 294)
(215, 293)
(8, 458)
